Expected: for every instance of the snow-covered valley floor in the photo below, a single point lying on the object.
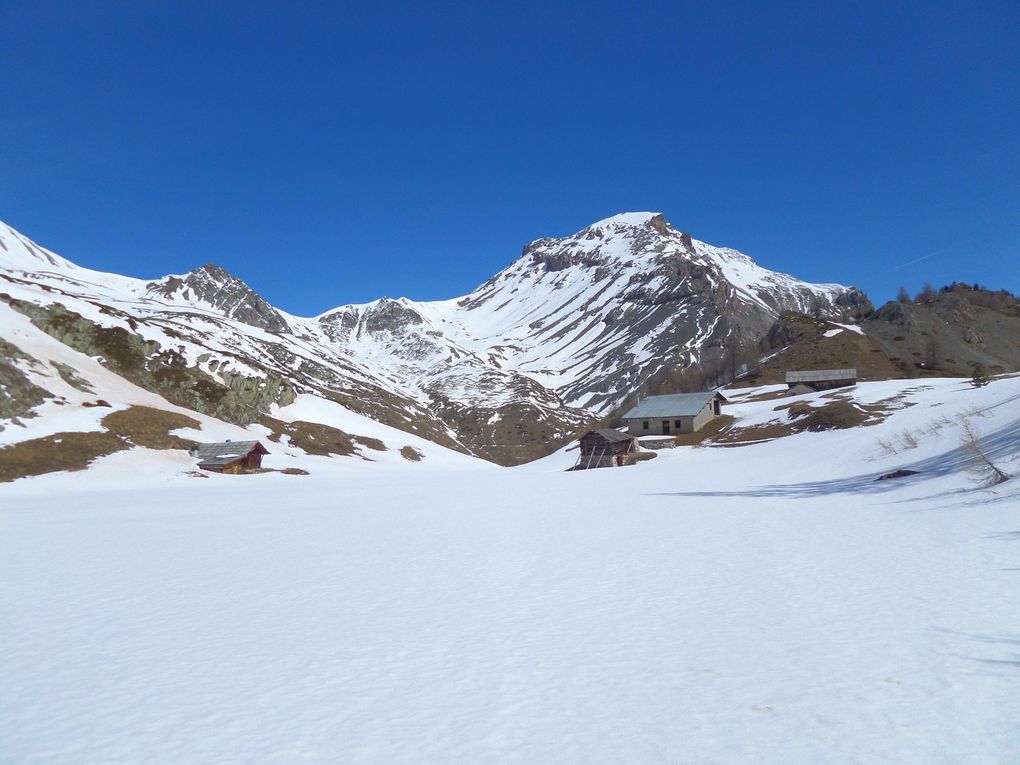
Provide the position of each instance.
(762, 604)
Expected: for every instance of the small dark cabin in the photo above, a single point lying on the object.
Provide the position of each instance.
(604, 447)
(229, 456)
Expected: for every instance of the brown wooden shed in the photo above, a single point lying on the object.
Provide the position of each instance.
(229, 456)
(604, 447)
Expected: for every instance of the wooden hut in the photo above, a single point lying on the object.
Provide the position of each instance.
(604, 447)
(229, 456)
(813, 380)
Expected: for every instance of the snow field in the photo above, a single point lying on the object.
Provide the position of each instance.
(762, 604)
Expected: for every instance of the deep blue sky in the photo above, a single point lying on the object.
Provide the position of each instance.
(331, 154)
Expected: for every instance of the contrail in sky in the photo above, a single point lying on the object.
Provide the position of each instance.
(916, 260)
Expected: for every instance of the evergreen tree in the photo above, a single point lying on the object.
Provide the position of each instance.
(980, 376)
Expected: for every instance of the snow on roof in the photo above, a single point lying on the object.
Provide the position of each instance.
(229, 450)
(672, 405)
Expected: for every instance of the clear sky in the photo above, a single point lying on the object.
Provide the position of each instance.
(329, 153)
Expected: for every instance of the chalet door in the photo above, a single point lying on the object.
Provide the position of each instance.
(665, 427)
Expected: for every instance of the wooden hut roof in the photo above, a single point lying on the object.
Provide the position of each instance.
(612, 435)
(225, 452)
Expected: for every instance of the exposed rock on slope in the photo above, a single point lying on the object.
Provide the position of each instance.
(958, 329)
(214, 288)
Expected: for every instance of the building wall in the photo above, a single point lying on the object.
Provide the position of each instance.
(687, 424)
(797, 389)
(702, 417)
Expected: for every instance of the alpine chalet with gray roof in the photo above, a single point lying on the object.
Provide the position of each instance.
(673, 413)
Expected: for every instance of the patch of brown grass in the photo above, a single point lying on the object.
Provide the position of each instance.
(411, 454)
(150, 427)
(62, 451)
(312, 437)
(835, 414)
(370, 443)
(771, 396)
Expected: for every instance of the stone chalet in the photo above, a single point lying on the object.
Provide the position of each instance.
(673, 413)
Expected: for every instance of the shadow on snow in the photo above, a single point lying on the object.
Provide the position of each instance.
(1000, 445)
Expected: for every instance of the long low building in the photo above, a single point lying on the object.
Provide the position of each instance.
(673, 413)
(811, 380)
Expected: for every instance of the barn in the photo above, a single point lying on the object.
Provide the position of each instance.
(813, 380)
(604, 447)
(229, 456)
(673, 413)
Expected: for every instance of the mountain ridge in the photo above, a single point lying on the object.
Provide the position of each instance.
(567, 334)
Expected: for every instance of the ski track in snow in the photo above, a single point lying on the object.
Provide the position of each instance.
(763, 604)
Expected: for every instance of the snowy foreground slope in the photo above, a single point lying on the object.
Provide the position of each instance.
(770, 603)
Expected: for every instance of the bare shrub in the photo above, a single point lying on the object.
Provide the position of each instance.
(981, 467)
(886, 446)
(908, 440)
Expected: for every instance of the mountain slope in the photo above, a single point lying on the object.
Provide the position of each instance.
(566, 335)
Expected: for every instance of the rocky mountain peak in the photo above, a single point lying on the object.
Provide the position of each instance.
(213, 287)
(619, 238)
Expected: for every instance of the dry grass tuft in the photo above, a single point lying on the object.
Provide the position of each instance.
(370, 443)
(312, 437)
(835, 414)
(149, 427)
(411, 454)
(62, 451)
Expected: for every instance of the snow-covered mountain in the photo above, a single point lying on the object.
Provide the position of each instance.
(573, 330)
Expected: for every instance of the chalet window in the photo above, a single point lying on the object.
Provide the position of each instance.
(644, 425)
(677, 424)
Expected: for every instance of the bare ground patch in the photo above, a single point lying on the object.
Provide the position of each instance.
(150, 427)
(411, 454)
(59, 452)
(834, 414)
(311, 437)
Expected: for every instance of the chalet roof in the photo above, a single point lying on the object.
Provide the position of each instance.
(221, 461)
(225, 452)
(821, 375)
(673, 405)
(612, 435)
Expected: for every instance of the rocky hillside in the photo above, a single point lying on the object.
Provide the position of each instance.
(953, 331)
(950, 332)
(574, 329)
